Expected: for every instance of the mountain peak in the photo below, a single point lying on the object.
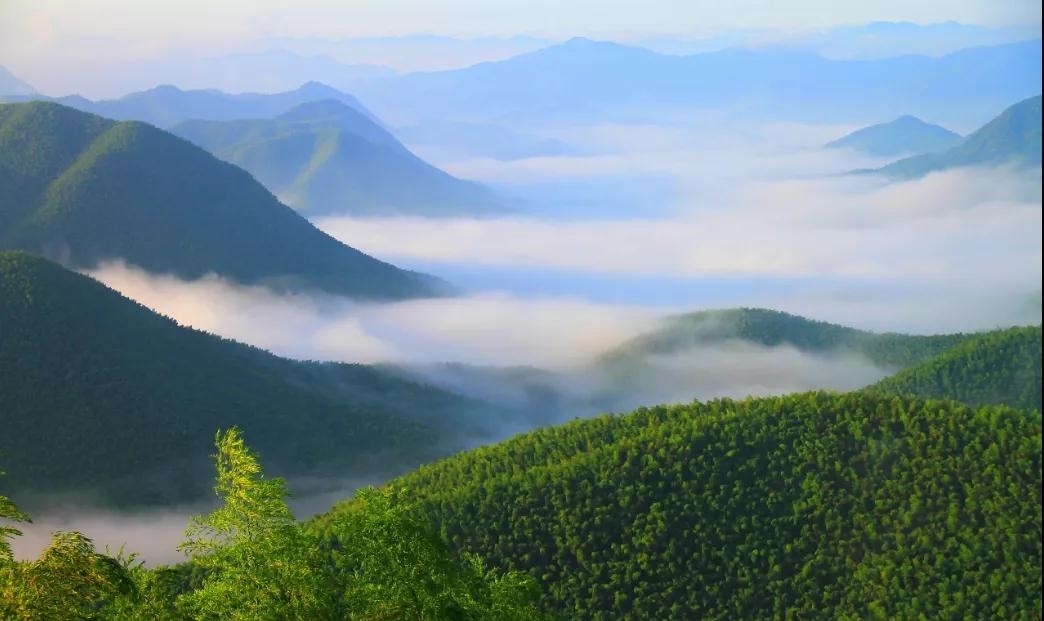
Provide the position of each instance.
(322, 108)
(903, 135)
(10, 84)
(313, 87)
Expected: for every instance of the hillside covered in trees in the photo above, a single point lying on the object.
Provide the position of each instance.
(999, 367)
(812, 506)
(773, 328)
(100, 395)
(83, 189)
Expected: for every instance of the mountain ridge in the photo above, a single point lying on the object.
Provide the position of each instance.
(86, 189)
(324, 158)
(1013, 136)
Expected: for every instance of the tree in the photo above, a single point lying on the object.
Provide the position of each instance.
(9, 512)
(260, 564)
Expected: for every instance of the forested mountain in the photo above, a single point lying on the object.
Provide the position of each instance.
(11, 85)
(774, 328)
(1014, 137)
(165, 106)
(85, 189)
(326, 158)
(811, 506)
(100, 395)
(585, 80)
(1003, 367)
(906, 134)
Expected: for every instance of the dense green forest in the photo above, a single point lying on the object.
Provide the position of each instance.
(774, 328)
(1000, 367)
(809, 506)
(1014, 137)
(84, 189)
(326, 158)
(250, 560)
(100, 395)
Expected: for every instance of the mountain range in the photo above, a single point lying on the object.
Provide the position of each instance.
(904, 135)
(1013, 137)
(84, 189)
(326, 158)
(166, 105)
(590, 80)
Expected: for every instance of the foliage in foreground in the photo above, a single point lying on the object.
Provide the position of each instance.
(250, 560)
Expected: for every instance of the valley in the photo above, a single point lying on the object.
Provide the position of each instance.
(585, 327)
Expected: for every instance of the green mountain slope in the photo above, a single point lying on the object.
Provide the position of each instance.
(810, 506)
(1012, 137)
(774, 328)
(100, 395)
(324, 158)
(84, 189)
(906, 134)
(997, 367)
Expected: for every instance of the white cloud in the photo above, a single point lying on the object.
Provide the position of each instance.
(965, 224)
(488, 328)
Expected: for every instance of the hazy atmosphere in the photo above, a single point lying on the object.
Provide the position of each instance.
(421, 227)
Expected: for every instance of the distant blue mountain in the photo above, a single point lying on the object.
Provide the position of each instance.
(166, 106)
(12, 85)
(591, 80)
(326, 158)
(1014, 137)
(906, 134)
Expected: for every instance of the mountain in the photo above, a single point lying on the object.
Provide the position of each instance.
(326, 158)
(99, 395)
(165, 106)
(268, 71)
(812, 506)
(11, 85)
(1013, 137)
(86, 189)
(593, 80)
(772, 328)
(906, 134)
(1000, 367)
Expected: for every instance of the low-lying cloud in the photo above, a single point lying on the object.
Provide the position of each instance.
(966, 224)
(486, 328)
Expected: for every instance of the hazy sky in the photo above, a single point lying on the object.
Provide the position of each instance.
(28, 26)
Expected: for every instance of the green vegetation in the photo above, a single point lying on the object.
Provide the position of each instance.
(810, 506)
(1000, 367)
(906, 134)
(774, 328)
(99, 394)
(251, 561)
(1012, 137)
(325, 158)
(86, 189)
